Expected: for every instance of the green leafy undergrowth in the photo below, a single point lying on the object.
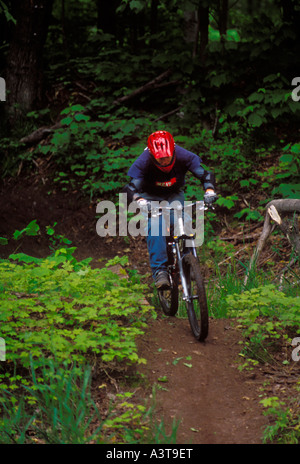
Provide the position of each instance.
(268, 317)
(56, 406)
(287, 179)
(59, 307)
(92, 154)
(284, 428)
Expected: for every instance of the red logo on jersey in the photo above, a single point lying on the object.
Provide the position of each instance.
(168, 183)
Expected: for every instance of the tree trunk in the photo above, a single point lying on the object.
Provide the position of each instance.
(24, 81)
(203, 29)
(223, 18)
(154, 16)
(288, 10)
(191, 29)
(107, 20)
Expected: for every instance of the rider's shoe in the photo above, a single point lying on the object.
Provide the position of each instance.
(162, 281)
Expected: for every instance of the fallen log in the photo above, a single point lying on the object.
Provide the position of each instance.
(170, 113)
(144, 88)
(43, 132)
(241, 238)
(39, 134)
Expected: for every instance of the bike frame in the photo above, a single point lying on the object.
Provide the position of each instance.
(175, 240)
(183, 266)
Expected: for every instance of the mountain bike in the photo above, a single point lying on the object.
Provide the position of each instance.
(186, 280)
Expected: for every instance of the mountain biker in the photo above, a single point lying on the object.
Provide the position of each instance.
(159, 174)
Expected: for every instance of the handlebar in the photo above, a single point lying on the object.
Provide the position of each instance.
(155, 210)
(158, 209)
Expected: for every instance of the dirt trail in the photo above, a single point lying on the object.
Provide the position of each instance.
(201, 387)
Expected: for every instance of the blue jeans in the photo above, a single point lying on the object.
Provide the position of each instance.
(156, 237)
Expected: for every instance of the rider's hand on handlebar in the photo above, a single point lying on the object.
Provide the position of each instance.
(143, 203)
(210, 196)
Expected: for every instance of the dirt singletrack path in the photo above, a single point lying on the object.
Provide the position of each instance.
(199, 383)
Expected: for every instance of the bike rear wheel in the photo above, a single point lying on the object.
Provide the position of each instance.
(169, 298)
(197, 304)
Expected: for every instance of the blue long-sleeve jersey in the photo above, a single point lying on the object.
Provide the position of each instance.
(147, 177)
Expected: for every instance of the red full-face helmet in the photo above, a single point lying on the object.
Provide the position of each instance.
(161, 145)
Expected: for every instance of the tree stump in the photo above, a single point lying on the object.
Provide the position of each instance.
(273, 208)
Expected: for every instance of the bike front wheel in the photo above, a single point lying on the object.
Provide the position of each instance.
(197, 302)
(169, 298)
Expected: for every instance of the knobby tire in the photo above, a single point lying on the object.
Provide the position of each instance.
(197, 307)
(169, 299)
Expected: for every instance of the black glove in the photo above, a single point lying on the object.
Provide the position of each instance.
(210, 197)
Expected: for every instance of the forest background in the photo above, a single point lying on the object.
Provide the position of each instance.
(87, 81)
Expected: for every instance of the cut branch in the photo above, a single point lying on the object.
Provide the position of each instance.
(272, 211)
